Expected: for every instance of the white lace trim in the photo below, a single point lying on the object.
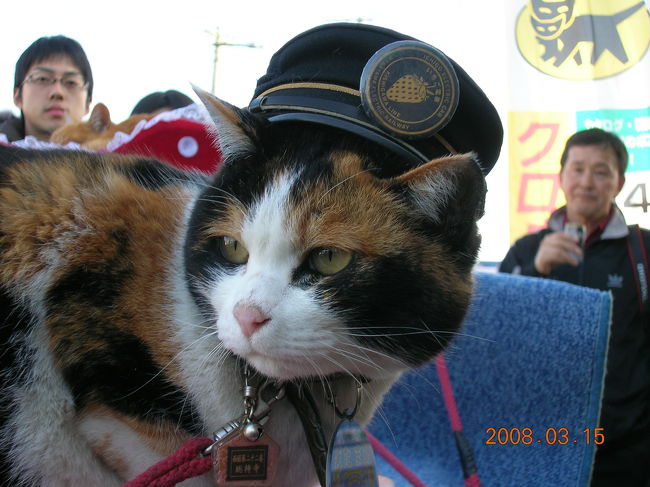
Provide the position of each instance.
(193, 112)
(31, 142)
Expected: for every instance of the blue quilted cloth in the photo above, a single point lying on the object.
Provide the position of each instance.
(531, 355)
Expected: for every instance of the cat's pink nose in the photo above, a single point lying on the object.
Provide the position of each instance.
(249, 317)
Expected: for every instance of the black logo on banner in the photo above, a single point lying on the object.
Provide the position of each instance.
(580, 39)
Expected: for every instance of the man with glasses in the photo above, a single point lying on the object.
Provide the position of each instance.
(53, 86)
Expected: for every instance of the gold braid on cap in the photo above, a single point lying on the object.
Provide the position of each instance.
(318, 86)
(340, 89)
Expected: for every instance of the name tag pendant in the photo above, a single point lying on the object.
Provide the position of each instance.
(244, 455)
(350, 458)
(245, 460)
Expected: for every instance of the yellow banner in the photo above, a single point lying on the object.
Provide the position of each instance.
(574, 66)
(536, 141)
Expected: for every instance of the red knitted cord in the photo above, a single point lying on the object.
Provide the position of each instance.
(448, 394)
(394, 462)
(473, 481)
(185, 463)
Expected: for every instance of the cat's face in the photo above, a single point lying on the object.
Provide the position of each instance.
(305, 263)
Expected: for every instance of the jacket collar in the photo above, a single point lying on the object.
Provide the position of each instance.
(616, 228)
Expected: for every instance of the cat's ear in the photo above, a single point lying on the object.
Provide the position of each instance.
(234, 128)
(100, 118)
(450, 192)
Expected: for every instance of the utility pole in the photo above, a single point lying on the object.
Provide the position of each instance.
(217, 44)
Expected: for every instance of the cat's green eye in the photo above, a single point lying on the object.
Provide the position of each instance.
(329, 261)
(233, 251)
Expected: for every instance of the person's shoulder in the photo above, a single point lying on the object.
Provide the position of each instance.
(11, 126)
(533, 237)
(5, 115)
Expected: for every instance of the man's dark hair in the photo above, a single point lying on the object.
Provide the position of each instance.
(49, 47)
(601, 138)
(170, 99)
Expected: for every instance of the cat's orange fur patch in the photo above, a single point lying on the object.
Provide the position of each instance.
(69, 212)
(98, 131)
(322, 218)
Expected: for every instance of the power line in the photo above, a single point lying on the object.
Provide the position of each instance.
(219, 43)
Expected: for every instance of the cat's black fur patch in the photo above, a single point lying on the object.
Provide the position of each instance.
(122, 375)
(102, 283)
(152, 174)
(393, 306)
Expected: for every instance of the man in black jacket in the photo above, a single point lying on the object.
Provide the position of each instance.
(592, 174)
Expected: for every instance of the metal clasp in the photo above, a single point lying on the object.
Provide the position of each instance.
(257, 407)
(263, 406)
(346, 414)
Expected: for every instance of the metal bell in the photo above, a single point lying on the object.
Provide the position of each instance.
(253, 431)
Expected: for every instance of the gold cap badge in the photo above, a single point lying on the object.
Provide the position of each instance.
(410, 89)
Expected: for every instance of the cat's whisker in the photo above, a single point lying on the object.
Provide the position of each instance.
(361, 359)
(222, 354)
(200, 327)
(167, 365)
(343, 182)
(355, 359)
(337, 365)
(426, 380)
(318, 370)
(231, 197)
(385, 335)
(458, 332)
(384, 418)
(390, 358)
(345, 331)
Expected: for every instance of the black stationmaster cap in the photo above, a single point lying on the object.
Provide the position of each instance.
(382, 85)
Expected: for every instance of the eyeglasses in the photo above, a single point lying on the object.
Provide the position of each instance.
(73, 83)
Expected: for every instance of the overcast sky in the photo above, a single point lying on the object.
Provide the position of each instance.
(138, 47)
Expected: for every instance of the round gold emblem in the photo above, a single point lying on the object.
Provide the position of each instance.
(409, 88)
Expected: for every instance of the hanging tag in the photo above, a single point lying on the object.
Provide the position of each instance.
(241, 462)
(350, 458)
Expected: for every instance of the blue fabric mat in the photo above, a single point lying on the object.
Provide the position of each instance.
(531, 355)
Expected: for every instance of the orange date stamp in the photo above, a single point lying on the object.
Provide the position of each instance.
(548, 436)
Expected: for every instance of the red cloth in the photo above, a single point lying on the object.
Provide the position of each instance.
(183, 143)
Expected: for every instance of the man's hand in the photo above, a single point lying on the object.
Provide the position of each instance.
(557, 248)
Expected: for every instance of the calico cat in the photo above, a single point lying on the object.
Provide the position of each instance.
(98, 131)
(135, 292)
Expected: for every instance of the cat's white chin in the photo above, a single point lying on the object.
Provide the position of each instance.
(284, 359)
(291, 368)
(277, 369)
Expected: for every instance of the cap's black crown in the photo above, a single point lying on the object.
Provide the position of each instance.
(382, 85)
